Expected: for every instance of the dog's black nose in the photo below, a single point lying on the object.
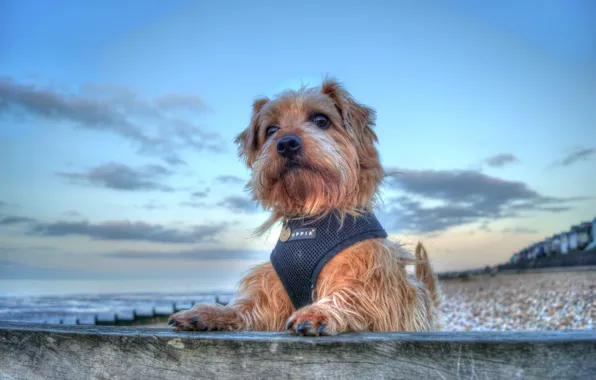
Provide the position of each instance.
(289, 146)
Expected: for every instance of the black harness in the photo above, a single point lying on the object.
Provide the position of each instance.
(306, 245)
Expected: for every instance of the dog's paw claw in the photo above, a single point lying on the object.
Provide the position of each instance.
(321, 329)
(303, 323)
(289, 324)
(305, 328)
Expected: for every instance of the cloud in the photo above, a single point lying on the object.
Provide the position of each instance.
(8, 251)
(520, 230)
(133, 231)
(194, 254)
(484, 226)
(12, 220)
(13, 270)
(152, 206)
(200, 193)
(577, 155)
(235, 203)
(239, 204)
(230, 179)
(6, 205)
(195, 204)
(174, 160)
(501, 160)
(117, 230)
(436, 200)
(119, 176)
(114, 109)
(177, 101)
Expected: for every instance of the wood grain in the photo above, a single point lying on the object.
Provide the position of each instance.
(106, 352)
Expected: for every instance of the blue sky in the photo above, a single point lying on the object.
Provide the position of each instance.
(112, 114)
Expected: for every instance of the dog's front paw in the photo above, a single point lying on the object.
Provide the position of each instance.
(312, 321)
(187, 320)
(203, 317)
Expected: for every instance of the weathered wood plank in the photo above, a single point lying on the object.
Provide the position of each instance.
(81, 352)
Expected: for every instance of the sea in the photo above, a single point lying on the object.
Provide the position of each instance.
(82, 301)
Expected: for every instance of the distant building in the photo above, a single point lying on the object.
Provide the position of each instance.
(583, 235)
(592, 243)
(580, 237)
(556, 247)
(547, 246)
(573, 239)
(564, 243)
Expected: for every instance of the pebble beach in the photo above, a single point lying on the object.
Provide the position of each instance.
(506, 302)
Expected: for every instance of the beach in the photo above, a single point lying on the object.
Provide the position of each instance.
(539, 301)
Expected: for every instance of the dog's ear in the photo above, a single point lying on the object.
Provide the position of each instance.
(358, 119)
(247, 141)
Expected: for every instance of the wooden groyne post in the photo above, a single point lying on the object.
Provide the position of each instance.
(107, 352)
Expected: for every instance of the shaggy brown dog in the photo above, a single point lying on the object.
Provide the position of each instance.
(327, 163)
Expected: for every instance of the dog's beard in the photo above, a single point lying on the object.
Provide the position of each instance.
(308, 189)
(316, 181)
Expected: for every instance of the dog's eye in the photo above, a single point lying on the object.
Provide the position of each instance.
(321, 121)
(271, 130)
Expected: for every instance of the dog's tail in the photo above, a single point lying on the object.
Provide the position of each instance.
(425, 273)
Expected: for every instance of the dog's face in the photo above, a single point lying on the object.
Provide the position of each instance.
(311, 151)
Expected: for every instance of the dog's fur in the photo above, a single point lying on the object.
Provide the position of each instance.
(363, 288)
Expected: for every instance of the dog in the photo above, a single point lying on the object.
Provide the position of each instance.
(315, 167)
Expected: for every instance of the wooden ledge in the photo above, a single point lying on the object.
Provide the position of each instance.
(106, 352)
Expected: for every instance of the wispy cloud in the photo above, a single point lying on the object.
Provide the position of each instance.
(13, 270)
(72, 213)
(152, 206)
(177, 101)
(436, 200)
(119, 176)
(234, 203)
(520, 230)
(12, 220)
(174, 160)
(577, 155)
(127, 230)
(195, 204)
(115, 109)
(501, 160)
(200, 193)
(193, 254)
(7, 205)
(230, 179)
(240, 204)
(116, 230)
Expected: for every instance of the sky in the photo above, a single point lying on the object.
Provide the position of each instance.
(117, 122)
